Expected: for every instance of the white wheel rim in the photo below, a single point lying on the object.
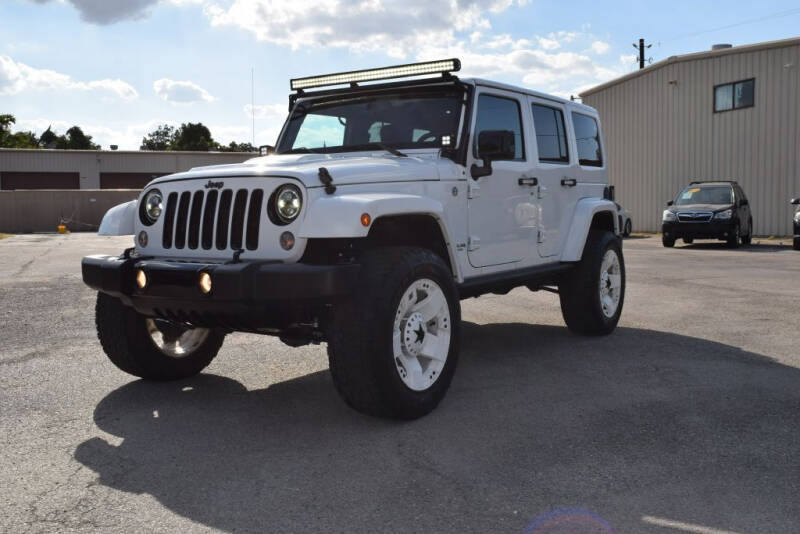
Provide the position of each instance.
(610, 283)
(176, 347)
(421, 334)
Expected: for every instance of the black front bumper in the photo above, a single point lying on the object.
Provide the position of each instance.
(698, 230)
(244, 296)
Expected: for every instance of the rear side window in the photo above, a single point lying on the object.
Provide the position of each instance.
(497, 113)
(551, 136)
(587, 138)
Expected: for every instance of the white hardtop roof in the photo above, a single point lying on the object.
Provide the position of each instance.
(526, 91)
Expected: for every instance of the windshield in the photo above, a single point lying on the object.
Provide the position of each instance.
(420, 119)
(722, 194)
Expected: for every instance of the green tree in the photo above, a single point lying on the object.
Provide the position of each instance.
(162, 138)
(193, 136)
(75, 139)
(20, 140)
(237, 147)
(48, 139)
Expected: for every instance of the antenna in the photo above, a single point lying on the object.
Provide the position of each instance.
(253, 102)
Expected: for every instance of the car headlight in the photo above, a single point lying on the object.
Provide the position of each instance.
(288, 202)
(152, 206)
(727, 214)
(669, 216)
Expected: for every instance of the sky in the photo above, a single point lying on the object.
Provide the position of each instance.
(119, 68)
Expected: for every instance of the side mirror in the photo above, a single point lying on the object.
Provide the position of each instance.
(670, 202)
(744, 202)
(796, 201)
(493, 145)
(266, 150)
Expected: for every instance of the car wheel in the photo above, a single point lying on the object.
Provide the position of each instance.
(592, 294)
(628, 228)
(152, 348)
(747, 239)
(394, 345)
(734, 237)
(688, 240)
(796, 243)
(668, 242)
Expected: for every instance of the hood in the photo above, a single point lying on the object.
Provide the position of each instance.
(700, 207)
(345, 169)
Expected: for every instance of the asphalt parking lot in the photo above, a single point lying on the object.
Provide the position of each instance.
(687, 417)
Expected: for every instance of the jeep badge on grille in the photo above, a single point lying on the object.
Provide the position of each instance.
(214, 185)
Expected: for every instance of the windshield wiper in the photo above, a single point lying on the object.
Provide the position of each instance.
(300, 150)
(393, 151)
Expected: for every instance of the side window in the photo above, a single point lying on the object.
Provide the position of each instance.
(587, 139)
(319, 131)
(735, 95)
(551, 136)
(498, 113)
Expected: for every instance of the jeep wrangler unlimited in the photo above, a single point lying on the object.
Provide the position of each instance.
(381, 206)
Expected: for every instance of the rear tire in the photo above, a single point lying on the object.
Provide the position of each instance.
(628, 228)
(796, 243)
(129, 340)
(688, 240)
(593, 293)
(668, 242)
(386, 348)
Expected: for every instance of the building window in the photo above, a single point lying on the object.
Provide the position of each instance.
(498, 113)
(587, 138)
(736, 95)
(551, 137)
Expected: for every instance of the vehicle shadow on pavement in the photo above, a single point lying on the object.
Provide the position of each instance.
(636, 424)
(753, 247)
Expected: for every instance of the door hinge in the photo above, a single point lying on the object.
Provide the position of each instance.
(473, 190)
(540, 236)
(474, 243)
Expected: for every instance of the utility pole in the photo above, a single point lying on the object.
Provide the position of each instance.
(641, 48)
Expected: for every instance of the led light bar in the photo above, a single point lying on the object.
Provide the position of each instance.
(385, 73)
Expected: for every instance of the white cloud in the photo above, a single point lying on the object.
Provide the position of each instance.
(105, 12)
(16, 77)
(181, 92)
(395, 27)
(267, 111)
(600, 47)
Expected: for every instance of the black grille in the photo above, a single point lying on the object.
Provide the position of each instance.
(224, 219)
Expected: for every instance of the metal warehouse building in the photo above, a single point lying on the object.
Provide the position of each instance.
(99, 169)
(732, 113)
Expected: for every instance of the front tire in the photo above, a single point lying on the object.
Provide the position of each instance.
(150, 348)
(747, 239)
(734, 237)
(668, 242)
(393, 346)
(592, 294)
(796, 243)
(688, 240)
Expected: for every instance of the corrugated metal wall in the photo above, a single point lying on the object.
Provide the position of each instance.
(90, 164)
(661, 133)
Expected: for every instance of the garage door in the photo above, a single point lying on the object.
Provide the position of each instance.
(126, 180)
(39, 180)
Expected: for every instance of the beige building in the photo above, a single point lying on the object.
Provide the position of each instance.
(731, 113)
(99, 169)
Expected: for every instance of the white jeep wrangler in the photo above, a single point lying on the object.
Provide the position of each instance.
(381, 206)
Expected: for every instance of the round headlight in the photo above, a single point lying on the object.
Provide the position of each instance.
(288, 202)
(152, 206)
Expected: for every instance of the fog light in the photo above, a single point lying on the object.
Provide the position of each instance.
(287, 240)
(142, 239)
(141, 279)
(205, 283)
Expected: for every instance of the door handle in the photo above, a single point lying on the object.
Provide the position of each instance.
(528, 181)
(569, 182)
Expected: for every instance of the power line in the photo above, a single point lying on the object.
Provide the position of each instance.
(785, 13)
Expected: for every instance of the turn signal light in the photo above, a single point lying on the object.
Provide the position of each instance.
(205, 283)
(365, 219)
(141, 279)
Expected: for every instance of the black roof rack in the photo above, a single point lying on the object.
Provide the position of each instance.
(696, 182)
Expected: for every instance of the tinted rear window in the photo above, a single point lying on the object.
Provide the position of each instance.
(587, 138)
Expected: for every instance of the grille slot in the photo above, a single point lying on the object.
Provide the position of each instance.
(224, 219)
(180, 224)
(694, 216)
(169, 220)
(227, 219)
(237, 220)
